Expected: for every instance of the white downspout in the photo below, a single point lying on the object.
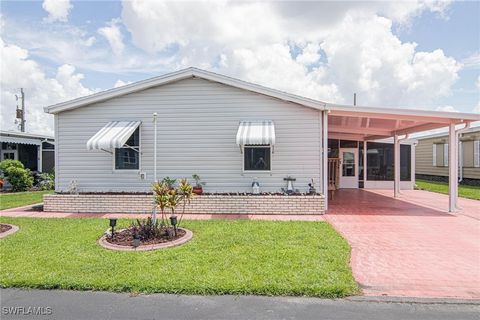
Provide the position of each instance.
(396, 165)
(154, 218)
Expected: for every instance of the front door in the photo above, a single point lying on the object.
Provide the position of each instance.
(348, 168)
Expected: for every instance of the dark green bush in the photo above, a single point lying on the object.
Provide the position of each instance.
(17, 175)
(10, 163)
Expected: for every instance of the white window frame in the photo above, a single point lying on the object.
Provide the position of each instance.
(434, 154)
(257, 171)
(139, 151)
(476, 154)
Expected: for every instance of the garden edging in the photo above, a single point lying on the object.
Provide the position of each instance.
(177, 242)
(10, 231)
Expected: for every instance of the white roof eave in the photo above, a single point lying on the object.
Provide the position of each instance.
(437, 116)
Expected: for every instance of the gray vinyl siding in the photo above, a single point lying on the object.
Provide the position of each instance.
(197, 126)
(424, 158)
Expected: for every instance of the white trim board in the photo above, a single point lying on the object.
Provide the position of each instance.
(436, 116)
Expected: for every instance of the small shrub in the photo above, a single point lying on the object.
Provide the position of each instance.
(46, 181)
(198, 181)
(146, 229)
(169, 182)
(19, 178)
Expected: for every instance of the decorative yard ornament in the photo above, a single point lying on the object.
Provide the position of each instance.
(290, 180)
(311, 188)
(73, 188)
(255, 186)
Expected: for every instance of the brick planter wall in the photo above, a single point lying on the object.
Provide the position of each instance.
(205, 204)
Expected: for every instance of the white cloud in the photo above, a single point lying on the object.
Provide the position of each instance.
(58, 10)
(121, 83)
(114, 36)
(19, 71)
(472, 61)
(253, 41)
(477, 84)
(446, 109)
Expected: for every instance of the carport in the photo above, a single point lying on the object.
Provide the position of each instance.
(366, 124)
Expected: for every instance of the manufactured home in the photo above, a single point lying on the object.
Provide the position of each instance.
(432, 157)
(230, 133)
(35, 151)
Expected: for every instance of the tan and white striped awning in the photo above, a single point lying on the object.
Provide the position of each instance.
(113, 135)
(256, 133)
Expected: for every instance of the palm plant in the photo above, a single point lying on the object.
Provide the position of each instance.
(162, 198)
(173, 200)
(186, 192)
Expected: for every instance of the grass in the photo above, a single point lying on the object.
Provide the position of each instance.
(470, 192)
(224, 257)
(18, 199)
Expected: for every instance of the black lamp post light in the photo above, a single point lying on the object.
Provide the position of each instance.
(113, 223)
(173, 221)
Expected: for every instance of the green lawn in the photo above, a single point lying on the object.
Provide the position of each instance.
(18, 199)
(224, 257)
(464, 191)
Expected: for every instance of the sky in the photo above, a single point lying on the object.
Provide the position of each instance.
(410, 54)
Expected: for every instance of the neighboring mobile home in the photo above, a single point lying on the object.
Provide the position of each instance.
(230, 132)
(36, 152)
(432, 157)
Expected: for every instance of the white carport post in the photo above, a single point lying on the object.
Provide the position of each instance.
(396, 163)
(452, 169)
(396, 166)
(324, 160)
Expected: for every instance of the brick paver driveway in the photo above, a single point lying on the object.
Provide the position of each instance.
(410, 246)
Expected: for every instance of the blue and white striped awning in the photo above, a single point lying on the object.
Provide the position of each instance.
(113, 135)
(256, 133)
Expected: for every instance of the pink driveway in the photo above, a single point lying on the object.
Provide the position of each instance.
(410, 246)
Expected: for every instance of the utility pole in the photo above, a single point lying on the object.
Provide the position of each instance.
(21, 111)
(354, 99)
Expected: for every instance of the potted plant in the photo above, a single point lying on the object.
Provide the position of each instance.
(198, 188)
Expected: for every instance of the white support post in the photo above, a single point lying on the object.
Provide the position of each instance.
(154, 213)
(325, 156)
(452, 169)
(396, 165)
(39, 157)
(364, 163)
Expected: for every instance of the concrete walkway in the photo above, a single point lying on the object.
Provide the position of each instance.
(410, 246)
(104, 305)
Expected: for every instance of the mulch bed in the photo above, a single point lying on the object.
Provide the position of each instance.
(125, 238)
(4, 228)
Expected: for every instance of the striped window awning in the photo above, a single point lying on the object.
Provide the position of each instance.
(256, 133)
(21, 140)
(113, 135)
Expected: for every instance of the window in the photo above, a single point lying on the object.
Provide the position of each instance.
(445, 155)
(380, 162)
(434, 154)
(256, 158)
(128, 157)
(348, 164)
(48, 146)
(476, 153)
